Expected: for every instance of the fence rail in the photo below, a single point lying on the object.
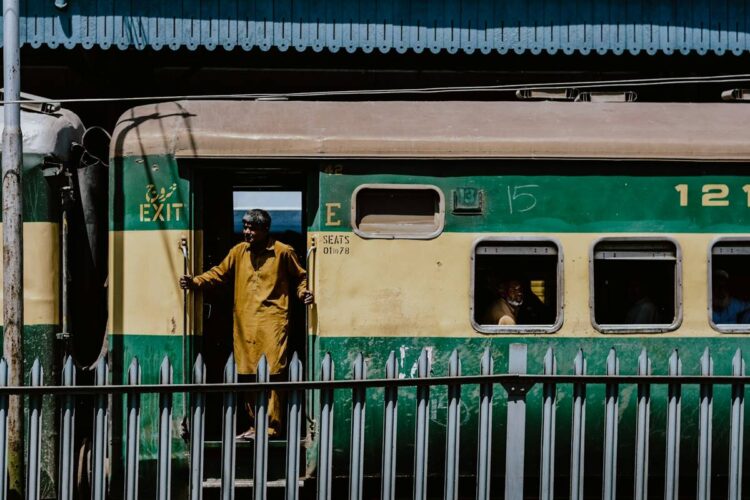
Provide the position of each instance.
(516, 384)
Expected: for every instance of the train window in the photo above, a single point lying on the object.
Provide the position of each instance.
(729, 285)
(516, 285)
(635, 285)
(284, 207)
(398, 211)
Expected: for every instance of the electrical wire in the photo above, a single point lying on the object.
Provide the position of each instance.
(587, 84)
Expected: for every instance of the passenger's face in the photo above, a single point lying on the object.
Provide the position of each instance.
(254, 233)
(514, 293)
(720, 286)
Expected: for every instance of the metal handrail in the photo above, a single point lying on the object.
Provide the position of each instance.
(523, 383)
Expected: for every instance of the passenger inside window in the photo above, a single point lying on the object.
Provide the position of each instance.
(515, 284)
(504, 310)
(730, 284)
(634, 283)
(728, 306)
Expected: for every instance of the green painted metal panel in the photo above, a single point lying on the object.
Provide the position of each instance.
(552, 201)
(41, 197)
(628, 348)
(154, 193)
(148, 193)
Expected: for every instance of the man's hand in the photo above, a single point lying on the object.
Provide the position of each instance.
(307, 297)
(186, 282)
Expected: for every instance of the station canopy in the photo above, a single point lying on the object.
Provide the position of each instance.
(453, 26)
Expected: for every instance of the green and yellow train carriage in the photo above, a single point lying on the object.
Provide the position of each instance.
(49, 135)
(614, 218)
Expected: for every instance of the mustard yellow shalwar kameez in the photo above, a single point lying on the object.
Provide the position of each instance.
(262, 281)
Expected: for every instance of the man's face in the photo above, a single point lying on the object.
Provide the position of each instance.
(254, 233)
(720, 287)
(513, 293)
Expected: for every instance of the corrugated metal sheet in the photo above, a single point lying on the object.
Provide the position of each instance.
(535, 26)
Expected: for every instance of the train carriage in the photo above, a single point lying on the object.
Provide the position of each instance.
(49, 137)
(623, 226)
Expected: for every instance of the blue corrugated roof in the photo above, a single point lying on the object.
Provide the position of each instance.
(535, 26)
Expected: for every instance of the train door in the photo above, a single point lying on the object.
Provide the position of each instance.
(223, 198)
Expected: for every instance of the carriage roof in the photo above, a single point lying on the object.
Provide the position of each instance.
(446, 129)
(49, 133)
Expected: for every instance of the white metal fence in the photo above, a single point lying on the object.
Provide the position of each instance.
(516, 383)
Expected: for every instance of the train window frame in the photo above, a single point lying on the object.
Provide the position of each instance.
(560, 293)
(743, 241)
(636, 328)
(384, 235)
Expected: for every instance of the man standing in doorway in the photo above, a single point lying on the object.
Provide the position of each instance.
(263, 271)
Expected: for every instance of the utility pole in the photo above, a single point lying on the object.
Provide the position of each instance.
(13, 240)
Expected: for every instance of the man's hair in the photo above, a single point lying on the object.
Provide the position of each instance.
(502, 285)
(720, 277)
(257, 217)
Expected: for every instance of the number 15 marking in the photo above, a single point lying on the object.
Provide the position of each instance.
(517, 193)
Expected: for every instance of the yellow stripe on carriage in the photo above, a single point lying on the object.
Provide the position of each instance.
(144, 293)
(41, 277)
(395, 288)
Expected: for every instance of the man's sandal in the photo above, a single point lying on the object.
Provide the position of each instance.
(248, 435)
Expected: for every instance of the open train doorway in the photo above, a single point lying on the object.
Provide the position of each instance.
(224, 200)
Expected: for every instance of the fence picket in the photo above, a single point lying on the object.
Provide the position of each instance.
(452, 438)
(422, 434)
(3, 431)
(325, 449)
(35, 434)
(577, 447)
(294, 413)
(99, 486)
(133, 440)
(260, 474)
(516, 429)
(390, 413)
(484, 443)
(610, 430)
(164, 464)
(737, 424)
(674, 401)
(229, 428)
(705, 428)
(67, 433)
(357, 448)
(549, 396)
(642, 429)
(197, 431)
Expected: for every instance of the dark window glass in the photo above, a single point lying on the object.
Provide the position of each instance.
(635, 283)
(730, 284)
(516, 284)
